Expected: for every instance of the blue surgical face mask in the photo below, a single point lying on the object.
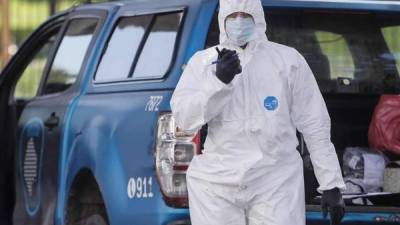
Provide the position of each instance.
(240, 30)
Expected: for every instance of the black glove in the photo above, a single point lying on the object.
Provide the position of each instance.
(228, 65)
(332, 201)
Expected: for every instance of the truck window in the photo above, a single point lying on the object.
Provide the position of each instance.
(391, 35)
(337, 46)
(122, 47)
(28, 84)
(157, 53)
(70, 55)
(336, 49)
(141, 47)
(359, 47)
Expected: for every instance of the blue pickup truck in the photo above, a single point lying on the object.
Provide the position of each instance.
(91, 140)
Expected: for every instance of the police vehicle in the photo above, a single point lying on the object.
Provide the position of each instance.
(91, 139)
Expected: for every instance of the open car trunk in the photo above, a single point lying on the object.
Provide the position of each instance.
(350, 118)
(355, 59)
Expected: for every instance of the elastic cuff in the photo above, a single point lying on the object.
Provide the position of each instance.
(342, 188)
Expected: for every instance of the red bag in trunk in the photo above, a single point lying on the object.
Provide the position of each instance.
(384, 129)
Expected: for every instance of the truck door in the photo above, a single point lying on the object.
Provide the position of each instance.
(42, 120)
(19, 82)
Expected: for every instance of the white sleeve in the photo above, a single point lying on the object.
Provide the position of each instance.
(199, 95)
(311, 118)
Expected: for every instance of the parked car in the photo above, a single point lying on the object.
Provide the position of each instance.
(85, 104)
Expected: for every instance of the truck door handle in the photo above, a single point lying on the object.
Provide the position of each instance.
(52, 121)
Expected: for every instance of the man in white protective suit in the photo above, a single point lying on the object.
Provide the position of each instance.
(254, 94)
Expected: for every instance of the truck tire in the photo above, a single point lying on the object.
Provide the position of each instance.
(85, 205)
(96, 219)
(86, 214)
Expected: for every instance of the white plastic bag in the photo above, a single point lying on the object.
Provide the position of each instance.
(363, 170)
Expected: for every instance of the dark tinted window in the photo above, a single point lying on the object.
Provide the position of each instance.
(158, 51)
(70, 55)
(140, 47)
(346, 51)
(122, 47)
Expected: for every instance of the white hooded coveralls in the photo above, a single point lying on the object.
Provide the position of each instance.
(250, 171)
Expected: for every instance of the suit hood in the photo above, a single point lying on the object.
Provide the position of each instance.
(252, 7)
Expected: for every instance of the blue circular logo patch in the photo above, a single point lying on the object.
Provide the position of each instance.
(271, 103)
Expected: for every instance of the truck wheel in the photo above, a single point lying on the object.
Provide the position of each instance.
(96, 220)
(86, 214)
(85, 205)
